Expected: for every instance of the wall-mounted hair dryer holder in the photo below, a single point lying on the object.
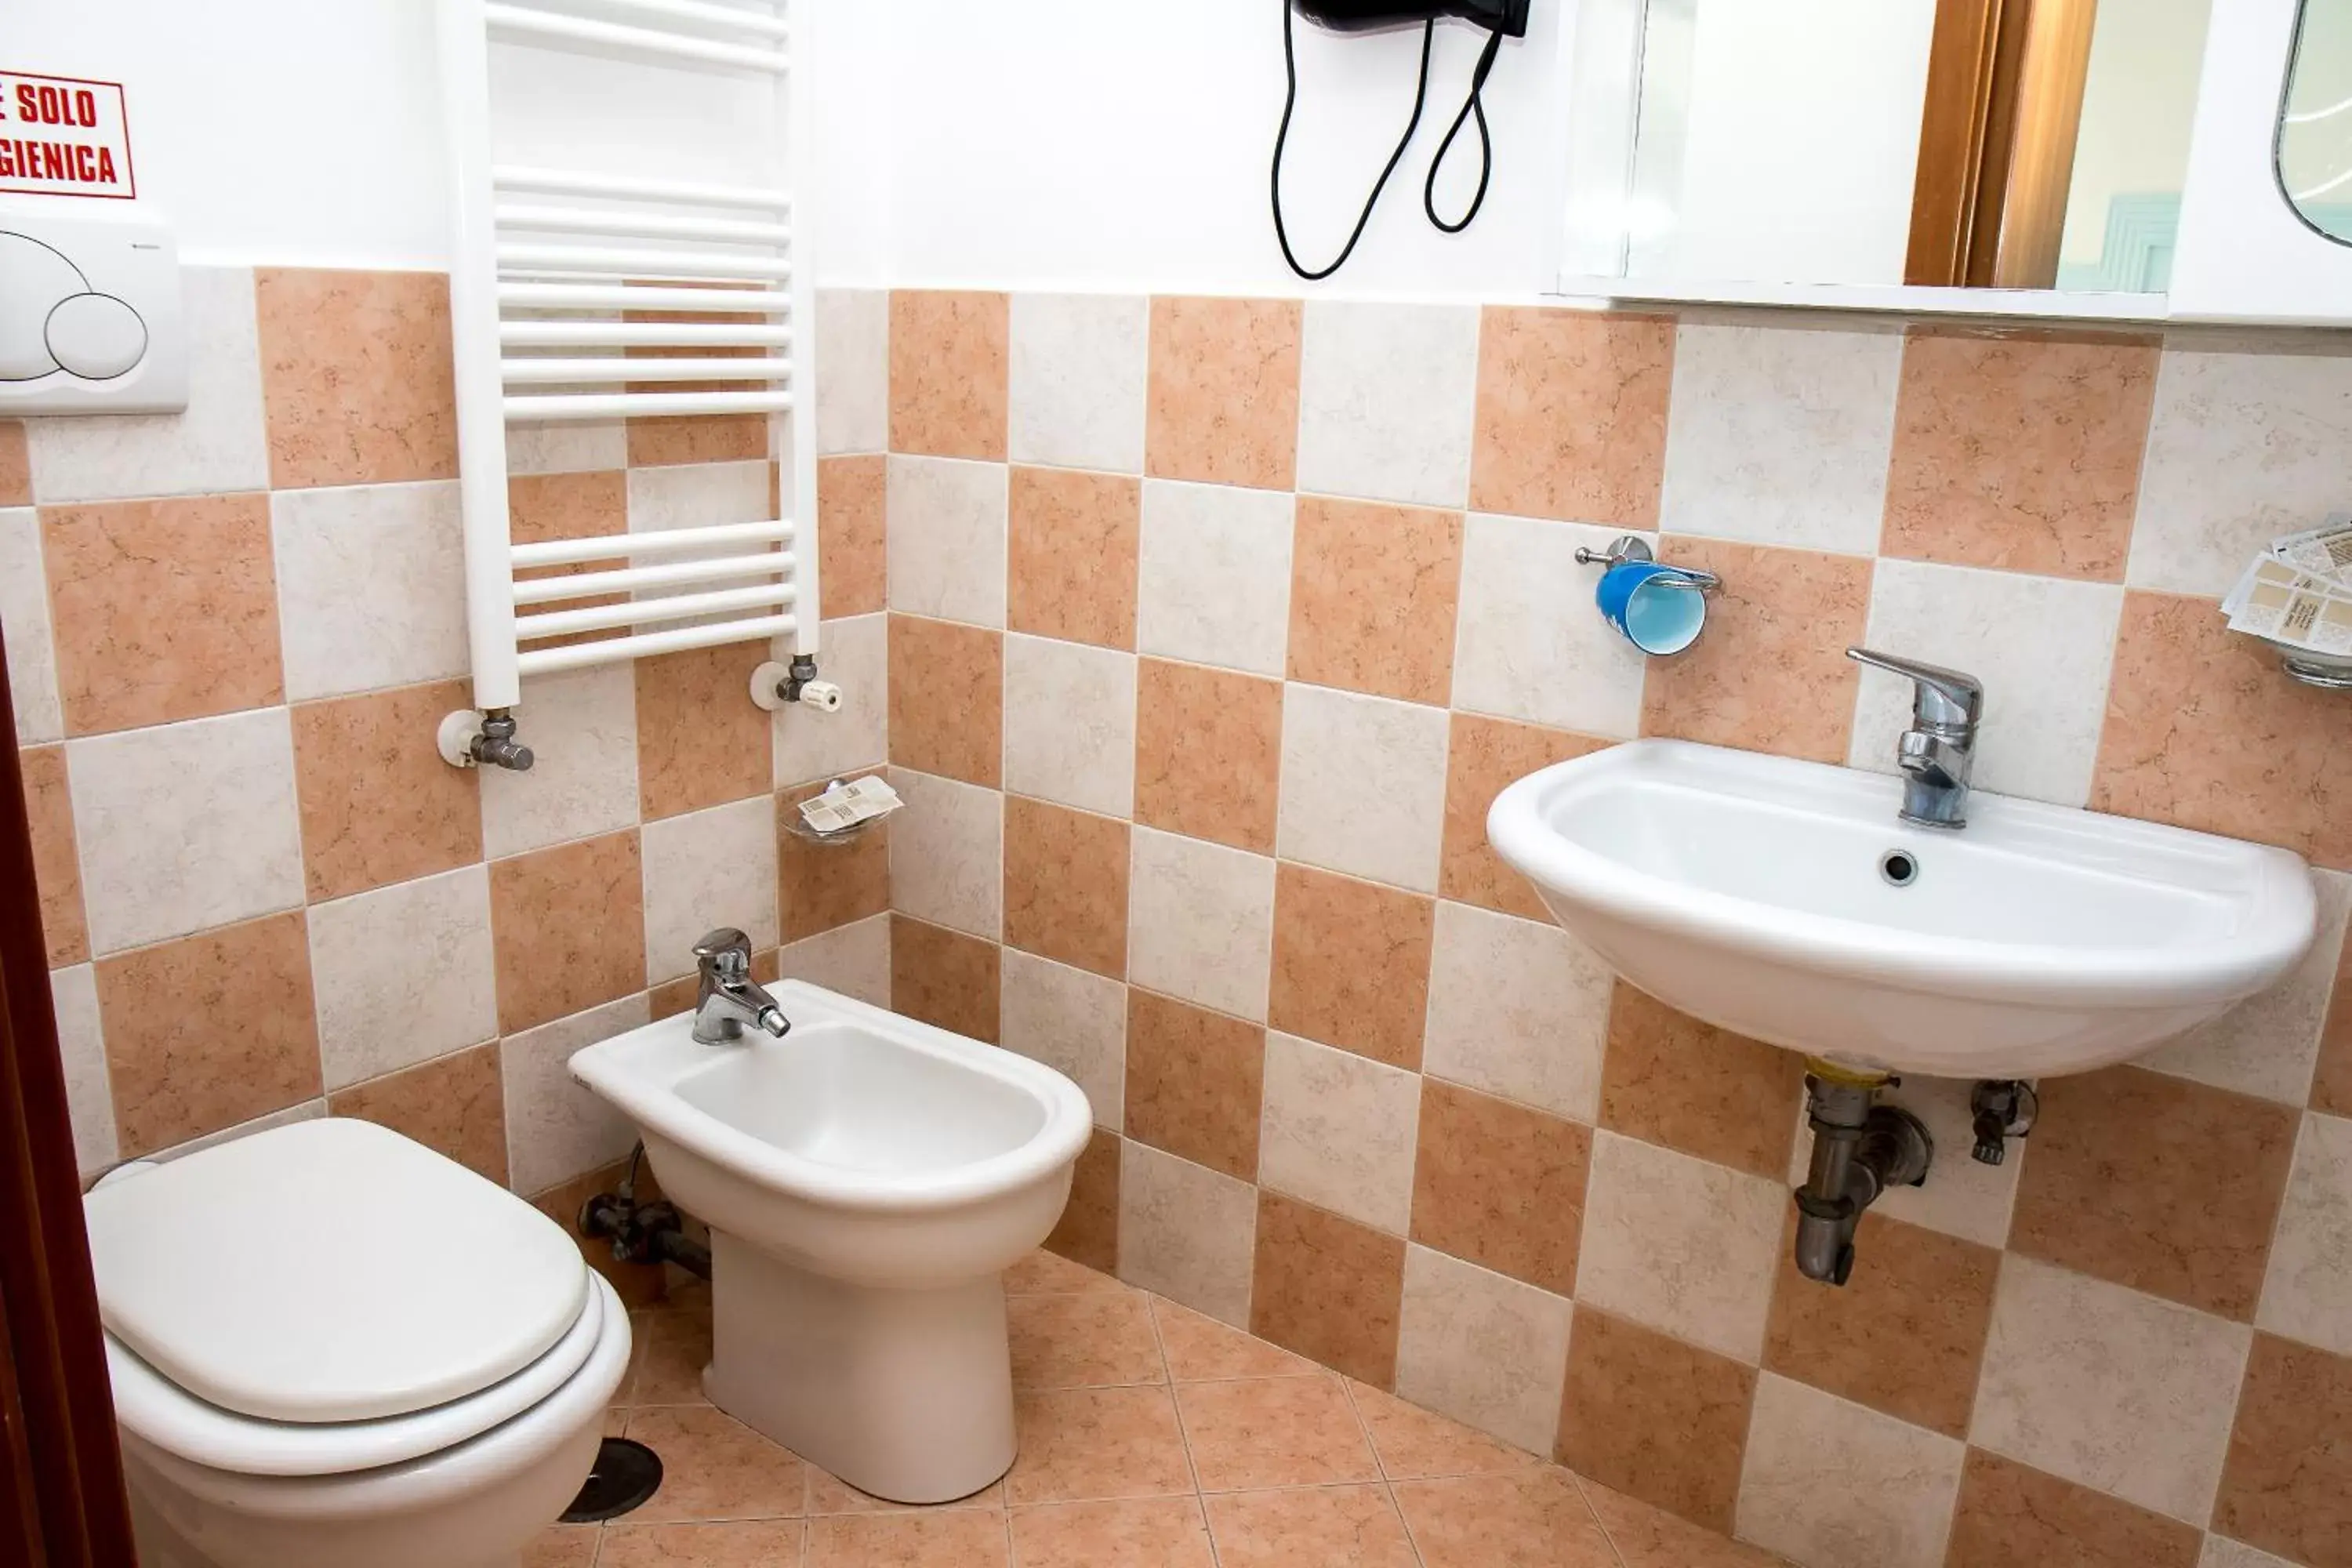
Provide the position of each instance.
(1659, 608)
(1633, 548)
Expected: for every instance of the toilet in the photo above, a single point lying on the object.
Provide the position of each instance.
(330, 1344)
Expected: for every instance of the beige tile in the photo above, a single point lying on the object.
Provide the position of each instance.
(557, 1128)
(946, 543)
(453, 1105)
(1065, 876)
(1770, 674)
(1363, 785)
(852, 533)
(947, 700)
(565, 446)
(1572, 419)
(1201, 922)
(81, 1052)
(1088, 1232)
(701, 741)
(57, 857)
(1501, 1185)
(1372, 596)
(2309, 1278)
(1213, 575)
(356, 378)
(1386, 394)
(1350, 964)
(1414, 1443)
(208, 1031)
(854, 960)
(944, 977)
(1481, 1348)
(1071, 547)
(1070, 724)
(1150, 1532)
(1080, 1445)
(1327, 1288)
(814, 746)
(715, 1467)
(2288, 1485)
(2222, 1553)
(1315, 1527)
(581, 727)
(568, 924)
(1194, 1083)
(1186, 1231)
(379, 806)
(2269, 1044)
(1961, 1197)
(853, 400)
(705, 871)
(1208, 753)
(949, 372)
(947, 853)
(1273, 1432)
(1681, 1245)
(2009, 1514)
(1096, 1339)
(221, 791)
(162, 610)
(1528, 650)
(1074, 1022)
(404, 974)
(371, 587)
(1835, 1486)
(1653, 1417)
(1484, 756)
(1673, 1081)
(1338, 1131)
(1223, 399)
(1530, 1518)
(24, 632)
(1201, 1350)
(1516, 1009)
(1078, 374)
(2109, 1388)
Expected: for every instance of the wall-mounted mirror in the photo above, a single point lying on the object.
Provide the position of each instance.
(2031, 144)
(2315, 132)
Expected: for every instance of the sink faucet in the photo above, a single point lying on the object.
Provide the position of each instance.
(1939, 751)
(729, 998)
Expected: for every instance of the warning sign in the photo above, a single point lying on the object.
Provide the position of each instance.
(64, 137)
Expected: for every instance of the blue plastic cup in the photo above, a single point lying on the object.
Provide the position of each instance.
(1658, 608)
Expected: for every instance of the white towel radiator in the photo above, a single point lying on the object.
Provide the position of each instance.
(557, 272)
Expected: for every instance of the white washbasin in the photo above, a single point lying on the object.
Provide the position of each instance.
(1747, 891)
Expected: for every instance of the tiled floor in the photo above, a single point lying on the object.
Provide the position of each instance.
(1150, 1437)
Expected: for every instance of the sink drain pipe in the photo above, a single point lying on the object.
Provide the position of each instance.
(642, 1233)
(1859, 1149)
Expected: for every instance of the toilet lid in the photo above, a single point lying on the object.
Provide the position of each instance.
(330, 1271)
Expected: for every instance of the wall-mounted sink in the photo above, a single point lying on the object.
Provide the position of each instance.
(1783, 900)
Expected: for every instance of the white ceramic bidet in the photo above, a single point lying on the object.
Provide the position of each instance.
(866, 1178)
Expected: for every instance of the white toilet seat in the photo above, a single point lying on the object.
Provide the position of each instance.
(159, 1411)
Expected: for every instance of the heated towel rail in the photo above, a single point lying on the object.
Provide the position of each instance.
(596, 293)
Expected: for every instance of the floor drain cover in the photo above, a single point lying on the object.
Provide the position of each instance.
(626, 1474)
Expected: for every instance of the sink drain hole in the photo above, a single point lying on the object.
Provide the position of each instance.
(1899, 868)
(626, 1476)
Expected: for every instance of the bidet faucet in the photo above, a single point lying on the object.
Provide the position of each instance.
(1937, 753)
(729, 998)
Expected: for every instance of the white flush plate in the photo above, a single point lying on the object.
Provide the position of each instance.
(89, 311)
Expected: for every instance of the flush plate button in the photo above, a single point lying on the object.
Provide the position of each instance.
(96, 336)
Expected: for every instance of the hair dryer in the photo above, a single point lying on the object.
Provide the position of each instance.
(1506, 16)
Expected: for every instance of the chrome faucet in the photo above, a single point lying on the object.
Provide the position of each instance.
(729, 998)
(1939, 751)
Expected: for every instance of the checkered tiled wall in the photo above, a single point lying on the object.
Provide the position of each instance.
(230, 636)
(1215, 626)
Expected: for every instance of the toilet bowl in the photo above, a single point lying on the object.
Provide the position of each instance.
(866, 1179)
(330, 1345)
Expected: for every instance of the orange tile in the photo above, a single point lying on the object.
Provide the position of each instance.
(2008, 1514)
(1065, 885)
(715, 1467)
(1770, 674)
(378, 804)
(2331, 1089)
(958, 1538)
(746, 1545)
(1326, 1288)
(823, 887)
(1094, 1339)
(1085, 1445)
(453, 1105)
(162, 610)
(701, 740)
(355, 375)
(1350, 964)
(1274, 1432)
(1670, 1079)
(1146, 1532)
(1483, 757)
(638, 1284)
(1223, 391)
(1088, 1232)
(1572, 419)
(207, 1031)
(1208, 753)
(949, 376)
(1648, 1537)
(851, 523)
(1414, 1443)
(1196, 1082)
(544, 508)
(1201, 1350)
(1043, 1273)
(1372, 595)
(947, 700)
(568, 927)
(2203, 732)
(16, 465)
(2287, 1485)
(1531, 1518)
(1653, 1417)
(563, 1546)
(2152, 1181)
(1071, 550)
(2020, 450)
(57, 857)
(944, 977)
(1906, 1335)
(672, 1349)
(1322, 1527)
(702, 437)
(1500, 1185)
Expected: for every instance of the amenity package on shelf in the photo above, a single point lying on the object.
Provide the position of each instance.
(2298, 592)
(843, 806)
